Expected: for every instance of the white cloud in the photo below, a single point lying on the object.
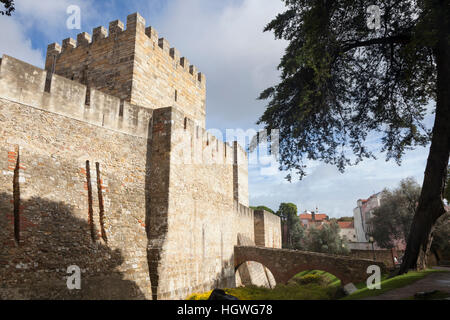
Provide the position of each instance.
(225, 40)
(46, 17)
(43, 10)
(14, 42)
(49, 16)
(335, 193)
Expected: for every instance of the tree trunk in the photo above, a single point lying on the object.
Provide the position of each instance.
(431, 205)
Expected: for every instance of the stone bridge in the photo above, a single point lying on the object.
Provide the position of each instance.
(284, 264)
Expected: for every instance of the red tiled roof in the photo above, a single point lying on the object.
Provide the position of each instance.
(346, 224)
(319, 216)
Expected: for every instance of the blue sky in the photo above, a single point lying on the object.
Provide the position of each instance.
(224, 39)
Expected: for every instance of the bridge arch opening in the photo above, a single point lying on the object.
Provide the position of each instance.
(320, 277)
(317, 285)
(254, 273)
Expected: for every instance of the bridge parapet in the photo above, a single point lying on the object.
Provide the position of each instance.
(284, 264)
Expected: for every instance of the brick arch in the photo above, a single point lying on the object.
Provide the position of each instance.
(284, 264)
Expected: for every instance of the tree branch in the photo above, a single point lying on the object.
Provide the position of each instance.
(403, 38)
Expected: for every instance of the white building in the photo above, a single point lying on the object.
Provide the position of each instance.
(363, 214)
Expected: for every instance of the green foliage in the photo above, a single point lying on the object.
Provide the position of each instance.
(310, 278)
(326, 239)
(295, 231)
(8, 7)
(392, 220)
(297, 235)
(280, 292)
(287, 212)
(201, 296)
(325, 287)
(345, 219)
(317, 289)
(263, 208)
(316, 276)
(341, 81)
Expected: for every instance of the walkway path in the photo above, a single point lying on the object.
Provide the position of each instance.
(435, 281)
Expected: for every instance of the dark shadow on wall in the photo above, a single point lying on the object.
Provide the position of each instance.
(156, 203)
(52, 239)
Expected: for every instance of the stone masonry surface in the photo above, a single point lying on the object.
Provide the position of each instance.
(167, 215)
(284, 264)
(132, 64)
(105, 164)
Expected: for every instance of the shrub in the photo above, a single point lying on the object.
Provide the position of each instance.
(200, 296)
(310, 278)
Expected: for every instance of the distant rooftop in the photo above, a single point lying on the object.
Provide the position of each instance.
(318, 216)
(346, 224)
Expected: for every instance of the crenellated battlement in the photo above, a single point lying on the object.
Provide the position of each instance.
(133, 64)
(111, 137)
(26, 84)
(192, 144)
(135, 25)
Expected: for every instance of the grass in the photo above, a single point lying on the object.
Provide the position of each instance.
(324, 286)
(320, 285)
(331, 279)
(281, 292)
(389, 284)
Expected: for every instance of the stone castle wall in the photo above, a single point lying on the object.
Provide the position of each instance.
(240, 174)
(200, 191)
(193, 247)
(47, 138)
(251, 272)
(266, 233)
(267, 229)
(132, 64)
(25, 84)
(157, 218)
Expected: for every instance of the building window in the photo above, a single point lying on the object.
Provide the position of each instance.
(176, 95)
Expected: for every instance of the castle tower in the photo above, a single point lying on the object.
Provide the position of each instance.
(132, 64)
(142, 197)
